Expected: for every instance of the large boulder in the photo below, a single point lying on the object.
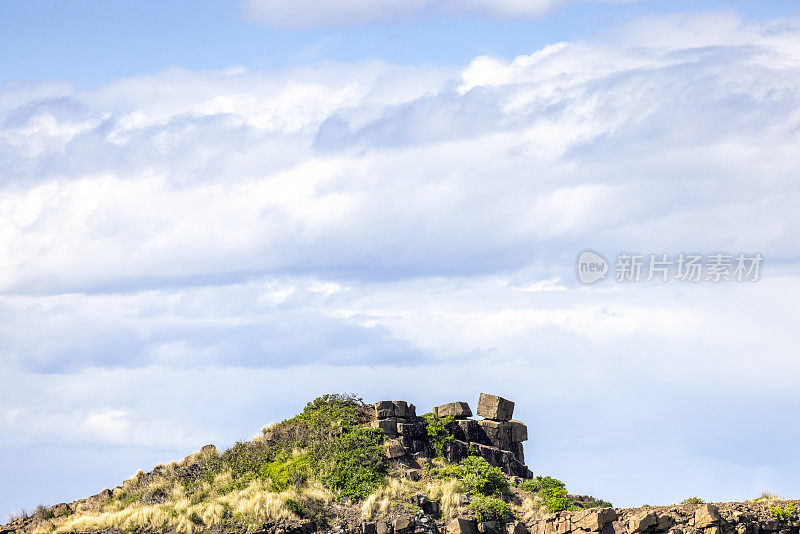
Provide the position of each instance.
(459, 410)
(470, 430)
(497, 433)
(494, 407)
(642, 521)
(403, 525)
(706, 515)
(594, 520)
(519, 431)
(461, 525)
(394, 449)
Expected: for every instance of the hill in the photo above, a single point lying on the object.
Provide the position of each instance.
(347, 467)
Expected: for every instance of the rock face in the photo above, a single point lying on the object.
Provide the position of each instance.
(498, 439)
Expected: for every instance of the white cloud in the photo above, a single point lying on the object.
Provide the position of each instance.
(310, 13)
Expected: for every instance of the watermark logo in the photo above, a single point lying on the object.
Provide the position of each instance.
(591, 267)
(683, 267)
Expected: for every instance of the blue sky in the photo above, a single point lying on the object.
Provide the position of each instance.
(212, 212)
(94, 41)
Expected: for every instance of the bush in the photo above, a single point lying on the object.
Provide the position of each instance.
(782, 512)
(332, 413)
(245, 460)
(320, 431)
(476, 475)
(286, 471)
(552, 491)
(354, 464)
(438, 435)
(693, 500)
(560, 503)
(491, 509)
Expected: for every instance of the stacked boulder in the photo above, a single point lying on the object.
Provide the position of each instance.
(398, 420)
(496, 437)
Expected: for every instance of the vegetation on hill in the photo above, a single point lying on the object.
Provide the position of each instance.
(327, 461)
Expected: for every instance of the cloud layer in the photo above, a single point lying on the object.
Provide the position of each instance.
(314, 13)
(188, 255)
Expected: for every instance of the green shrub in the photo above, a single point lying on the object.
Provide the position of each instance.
(782, 512)
(552, 491)
(354, 464)
(491, 509)
(482, 478)
(560, 503)
(476, 475)
(332, 413)
(286, 471)
(543, 484)
(245, 460)
(438, 435)
(321, 423)
(693, 500)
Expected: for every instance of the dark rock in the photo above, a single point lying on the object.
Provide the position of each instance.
(389, 426)
(384, 409)
(427, 506)
(400, 409)
(494, 407)
(519, 431)
(459, 410)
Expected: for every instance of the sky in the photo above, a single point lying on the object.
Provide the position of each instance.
(213, 212)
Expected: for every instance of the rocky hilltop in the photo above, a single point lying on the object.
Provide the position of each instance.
(346, 467)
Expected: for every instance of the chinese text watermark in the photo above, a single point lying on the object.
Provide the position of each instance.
(683, 267)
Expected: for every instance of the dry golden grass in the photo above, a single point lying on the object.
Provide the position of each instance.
(379, 502)
(530, 509)
(399, 489)
(448, 493)
(250, 507)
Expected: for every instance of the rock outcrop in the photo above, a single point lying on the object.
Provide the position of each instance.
(752, 517)
(497, 437)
